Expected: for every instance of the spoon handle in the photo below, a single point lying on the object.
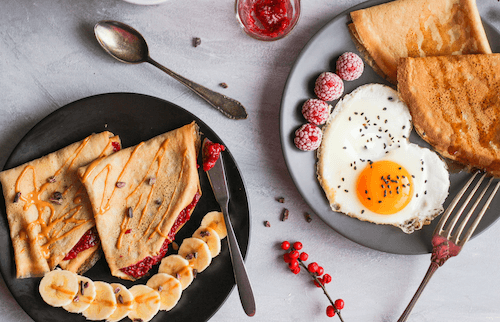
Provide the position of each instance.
(228, 106)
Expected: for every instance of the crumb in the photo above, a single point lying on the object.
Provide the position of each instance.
(280, 199)
(196, 41)
(223, 85)
(308, 217)
(267, 223)
(285, 214)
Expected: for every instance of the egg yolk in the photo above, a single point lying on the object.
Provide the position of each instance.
(384, 187)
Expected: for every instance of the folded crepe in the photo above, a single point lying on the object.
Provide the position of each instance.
(48, 209)
(454, 102)
(141, 196)
(417, 28)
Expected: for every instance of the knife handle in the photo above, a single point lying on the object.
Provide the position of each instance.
(240, 273)
(226, 105)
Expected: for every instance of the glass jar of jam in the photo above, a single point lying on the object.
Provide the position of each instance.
(268, 19)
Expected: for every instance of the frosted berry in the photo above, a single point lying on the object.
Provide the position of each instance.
(296, 270)
(320, 271)
(308, 137)
(286, 258)
(304, 256)
(297, 245)
(349, 66)
(339, 304)
(330, 311)
(293, 264)
(328, 86)
(285, 245)
(316, 111)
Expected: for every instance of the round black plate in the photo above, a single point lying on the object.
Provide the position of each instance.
(319, 55)
(135, 118)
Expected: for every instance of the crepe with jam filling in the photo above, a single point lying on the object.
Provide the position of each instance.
(49, 211)
(417, 28)
(141, 196)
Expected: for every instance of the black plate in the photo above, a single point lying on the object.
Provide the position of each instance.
(319, 55)
(135, 118)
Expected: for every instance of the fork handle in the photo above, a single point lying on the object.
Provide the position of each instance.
(432, 268)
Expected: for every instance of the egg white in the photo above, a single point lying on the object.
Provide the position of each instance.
(371, 124)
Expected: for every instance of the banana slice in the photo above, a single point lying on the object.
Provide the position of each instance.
(146, 303)
(215, 220)
(124, 301)
(197, 253)
(104, 303)
(169, 287)
(179, 268)
(85, 295)
(209, 236)
(58, 287)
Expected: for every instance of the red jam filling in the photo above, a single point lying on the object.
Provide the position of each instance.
(211, 153)
(116, 146)
(89, 239)
(269, 17)
(140, 268)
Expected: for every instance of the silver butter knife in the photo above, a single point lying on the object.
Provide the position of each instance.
(217, 178)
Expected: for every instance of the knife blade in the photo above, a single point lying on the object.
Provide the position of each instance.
(217, 177)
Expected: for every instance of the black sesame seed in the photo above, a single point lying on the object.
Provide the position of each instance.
(385, 108)
(342, 179)
(362, 210)
(390, 98)
(355, 113)
(385, 121)
(344, 147)
(380, 201)
(346, 190)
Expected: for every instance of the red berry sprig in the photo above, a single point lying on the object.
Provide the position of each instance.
(296, 259)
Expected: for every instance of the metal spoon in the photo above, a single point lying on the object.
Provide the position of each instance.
(127, 45)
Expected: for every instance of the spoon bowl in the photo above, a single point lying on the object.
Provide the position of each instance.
(122, 42)
(127, 45)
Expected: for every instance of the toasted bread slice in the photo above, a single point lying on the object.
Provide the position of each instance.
(454, 102)
(48, 209)
(139, 193)
(417, 28)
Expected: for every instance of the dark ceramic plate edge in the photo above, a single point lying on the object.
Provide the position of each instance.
(243, 233)
(285, 137)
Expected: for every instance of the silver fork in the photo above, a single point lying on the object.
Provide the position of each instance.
(447, 243)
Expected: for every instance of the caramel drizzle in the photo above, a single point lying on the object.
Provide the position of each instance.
(124, 226)
(49, 234)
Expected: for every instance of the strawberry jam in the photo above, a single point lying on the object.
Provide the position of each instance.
(89, 239)
(211, 153)
(269, 17)
(140, 268)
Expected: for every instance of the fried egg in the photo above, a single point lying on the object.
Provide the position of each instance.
(369, 169)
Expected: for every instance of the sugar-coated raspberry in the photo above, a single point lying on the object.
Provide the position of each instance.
(308, 137)
(329, 86)
(316, 111)
(349, 66)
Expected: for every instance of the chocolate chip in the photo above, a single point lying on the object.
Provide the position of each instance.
(16, 197)
(196, 41)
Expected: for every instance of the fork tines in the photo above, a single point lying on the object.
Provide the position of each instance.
(449, 232)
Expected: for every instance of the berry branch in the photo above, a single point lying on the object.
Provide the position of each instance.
(295, 259)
